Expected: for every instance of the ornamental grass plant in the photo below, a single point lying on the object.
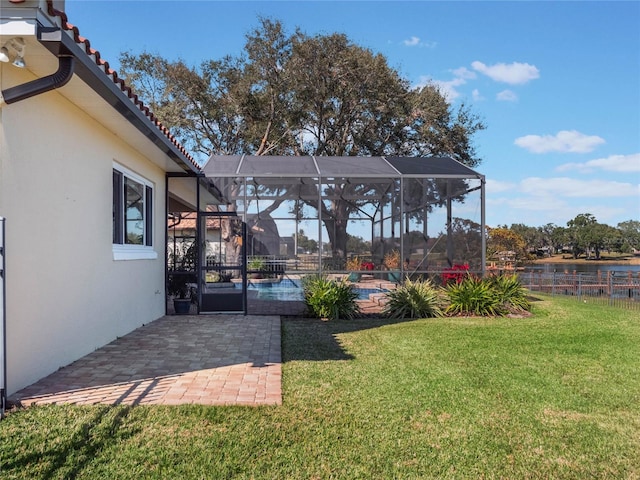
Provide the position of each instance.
(414, 299)
(511, 294)
(473, 296)
(487, 297)
(329, 299)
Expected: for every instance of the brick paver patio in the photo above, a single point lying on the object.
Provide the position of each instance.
(224, 359)
(209, 360)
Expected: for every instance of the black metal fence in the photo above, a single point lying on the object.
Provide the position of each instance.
(621, 289)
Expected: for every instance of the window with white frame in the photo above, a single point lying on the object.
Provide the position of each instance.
(132, 215)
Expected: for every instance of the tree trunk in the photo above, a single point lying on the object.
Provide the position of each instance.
(337, 231)
(336, 221)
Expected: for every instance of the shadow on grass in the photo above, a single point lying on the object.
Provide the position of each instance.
(316, 340)
(68, 458)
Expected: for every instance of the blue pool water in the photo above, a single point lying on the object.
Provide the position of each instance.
(287, 290)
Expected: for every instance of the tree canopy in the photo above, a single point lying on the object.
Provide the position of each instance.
(506, 242)
(298, 94)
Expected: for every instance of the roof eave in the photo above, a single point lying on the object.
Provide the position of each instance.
(59, 43)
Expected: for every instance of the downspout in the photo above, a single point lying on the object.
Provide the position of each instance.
(41, 85)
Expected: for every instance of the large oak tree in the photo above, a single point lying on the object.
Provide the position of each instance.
(303, 95)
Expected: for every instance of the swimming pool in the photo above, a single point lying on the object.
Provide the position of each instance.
(288, 290)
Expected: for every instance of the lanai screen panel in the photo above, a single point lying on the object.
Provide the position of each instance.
(278, 211)
(277, 166)
(318, 212)
(351, 167)
(222, 166)
(431, 167)
(441, 224)
(348, 167)
(350, 207)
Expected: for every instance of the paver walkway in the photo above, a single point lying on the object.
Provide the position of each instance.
(209, 360)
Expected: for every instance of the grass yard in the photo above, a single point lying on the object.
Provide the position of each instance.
(555, 395)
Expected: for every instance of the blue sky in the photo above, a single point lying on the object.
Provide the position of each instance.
(557, 83)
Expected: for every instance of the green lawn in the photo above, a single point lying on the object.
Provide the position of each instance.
(556, 395)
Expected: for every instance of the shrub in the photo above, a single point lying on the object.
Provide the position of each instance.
(391, 260)
(456, 274)
(256, 263)
(367, 265)
(418, 299)
(473, 296)
(511, 294)
(329, 299)
(353, 264)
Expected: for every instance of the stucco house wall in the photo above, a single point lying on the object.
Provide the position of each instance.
(68, 292)
(66, 295)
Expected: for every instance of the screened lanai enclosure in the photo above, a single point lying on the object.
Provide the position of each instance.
(263, 222)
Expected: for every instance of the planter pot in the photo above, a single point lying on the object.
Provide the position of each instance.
(182, 306)
(354, 277)
(394, 277)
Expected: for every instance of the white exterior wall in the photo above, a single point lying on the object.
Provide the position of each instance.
(66, 296)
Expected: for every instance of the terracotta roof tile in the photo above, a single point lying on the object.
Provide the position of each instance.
(114, 76)
(187, 221)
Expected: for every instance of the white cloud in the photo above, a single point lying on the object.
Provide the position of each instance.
(476, 95)
(536, 211)
(507, 96)
(448, 87)
(412, 42)
(496, 186)
(528, 210)
(573, 188)
(464, 73)
(566, 141)
(538, 201)
(416, 42)
(612, 163)
(513, 73)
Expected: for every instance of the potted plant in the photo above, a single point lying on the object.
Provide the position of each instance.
(182, 292)
(255, 266)
(391, 261)
(353, 265)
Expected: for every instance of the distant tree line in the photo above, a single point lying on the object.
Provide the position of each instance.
(582, 236)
